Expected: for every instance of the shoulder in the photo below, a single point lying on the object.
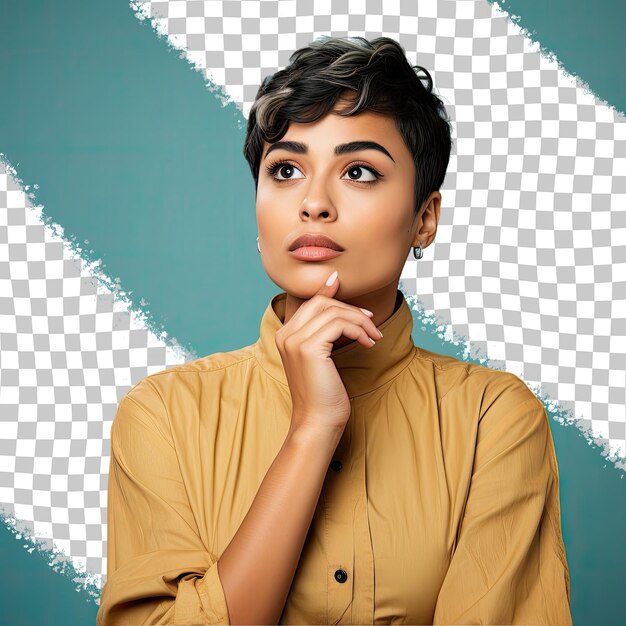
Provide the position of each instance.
(154, 397)
(204, 365)
(490, 411)
(206, 369)
(473, 384)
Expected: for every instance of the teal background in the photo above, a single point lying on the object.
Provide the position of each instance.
(134, 154)
(587, 38)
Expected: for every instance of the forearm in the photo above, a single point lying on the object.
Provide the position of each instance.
(258, 565)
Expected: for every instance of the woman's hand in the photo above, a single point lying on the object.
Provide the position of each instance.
(305, 342)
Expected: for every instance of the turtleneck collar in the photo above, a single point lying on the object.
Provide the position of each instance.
(361, 369)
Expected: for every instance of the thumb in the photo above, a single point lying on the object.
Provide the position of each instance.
(330, 287)
(330, 290)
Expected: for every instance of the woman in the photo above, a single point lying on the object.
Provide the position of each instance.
(333, 472)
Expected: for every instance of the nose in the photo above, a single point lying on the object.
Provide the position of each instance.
(317, 203)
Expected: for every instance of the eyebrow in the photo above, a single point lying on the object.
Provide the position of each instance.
(343, 148)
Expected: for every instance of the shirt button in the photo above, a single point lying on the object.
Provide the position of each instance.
(336, 465)
(341, 576)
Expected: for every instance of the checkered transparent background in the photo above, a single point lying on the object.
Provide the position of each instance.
(70, 348)
(528, 262)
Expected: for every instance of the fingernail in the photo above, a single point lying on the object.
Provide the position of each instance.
(367, 312)
(331, 279)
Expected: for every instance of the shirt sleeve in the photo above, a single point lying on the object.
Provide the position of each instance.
(509, 564)
(159, 571)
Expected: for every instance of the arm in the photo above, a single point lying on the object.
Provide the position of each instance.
(159, 570)
(509, 565)
(258, 566)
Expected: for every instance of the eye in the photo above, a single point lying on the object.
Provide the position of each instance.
(285, 168)
(355, 170)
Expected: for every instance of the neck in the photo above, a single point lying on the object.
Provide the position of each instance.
(362, 369)
(381, 302)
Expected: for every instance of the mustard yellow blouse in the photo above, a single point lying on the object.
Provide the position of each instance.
(441, 504)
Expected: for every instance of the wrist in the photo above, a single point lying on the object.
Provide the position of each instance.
(316, 435)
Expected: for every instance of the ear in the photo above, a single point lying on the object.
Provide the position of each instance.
(427, 220)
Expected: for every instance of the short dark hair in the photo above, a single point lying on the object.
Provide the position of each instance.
(383, 81)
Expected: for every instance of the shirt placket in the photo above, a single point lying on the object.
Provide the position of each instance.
(347, 535)
(339, 530)
(363, 604)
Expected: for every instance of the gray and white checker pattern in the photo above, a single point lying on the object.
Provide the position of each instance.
(70, 348)
(526, 261)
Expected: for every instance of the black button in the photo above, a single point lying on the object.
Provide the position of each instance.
(341, 576)
(336, 465)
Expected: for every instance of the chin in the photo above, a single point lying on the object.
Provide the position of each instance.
(304, 284)
(301, 292)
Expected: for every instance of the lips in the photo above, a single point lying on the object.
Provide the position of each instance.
(312, 239)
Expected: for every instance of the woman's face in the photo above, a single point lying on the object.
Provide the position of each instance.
(359, 196)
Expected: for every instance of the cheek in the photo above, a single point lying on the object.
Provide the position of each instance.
(270, 217)
(265, 210)
(386, 227)
(272, 226)
(262, 190)
(270, 199)
(266, 197)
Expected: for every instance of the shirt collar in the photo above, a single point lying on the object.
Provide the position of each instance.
(361, 369)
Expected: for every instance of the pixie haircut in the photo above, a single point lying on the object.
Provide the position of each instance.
(372, 76)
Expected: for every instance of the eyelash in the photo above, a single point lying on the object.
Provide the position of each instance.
(272, 168)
